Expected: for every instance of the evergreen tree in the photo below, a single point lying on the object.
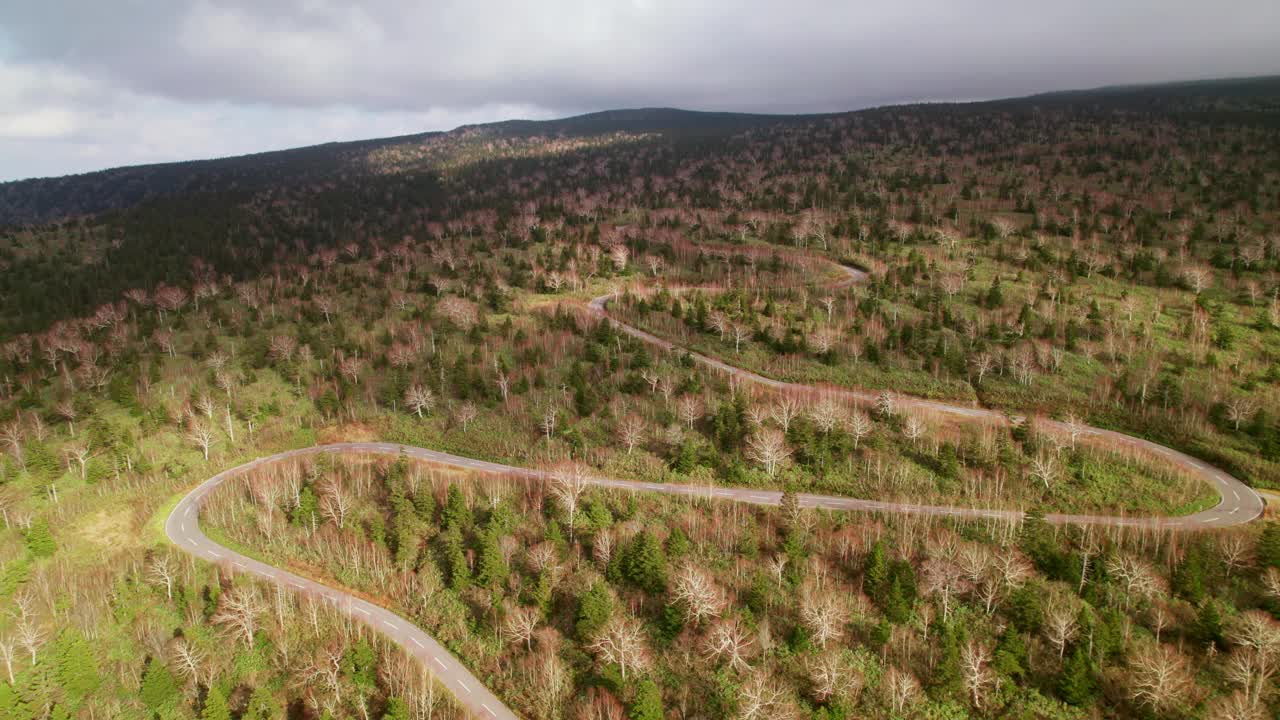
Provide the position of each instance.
(875, 572)
(1269, 545)
(159, 689)
(647, 704)
(307, 513)
(215, 706)
(1189, 581)
(456, 514)
(1208, 625)
(39, 540)
(594, 609)
(1010, 657)
(77, 668)
(645, 564)
(491, 570)
(1077, 683)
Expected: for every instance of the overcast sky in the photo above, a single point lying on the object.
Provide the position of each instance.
(88, 84)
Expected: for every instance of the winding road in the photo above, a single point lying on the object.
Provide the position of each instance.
(1238, 504)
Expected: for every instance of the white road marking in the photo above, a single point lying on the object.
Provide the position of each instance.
(362, 610)
(390, 624)
(464, 686)
(414, 640)
(238, 564)
(298, 585)
(488, 709)
(215, 554)
(440, 663)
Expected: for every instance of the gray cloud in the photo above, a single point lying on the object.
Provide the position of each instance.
(89, 84)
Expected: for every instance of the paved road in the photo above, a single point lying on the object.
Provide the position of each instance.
(1238, 504)
(183, 529)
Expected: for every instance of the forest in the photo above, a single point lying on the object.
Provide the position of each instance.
(682, 341)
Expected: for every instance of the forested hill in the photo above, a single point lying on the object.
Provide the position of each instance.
(73, 243)
(46, 199)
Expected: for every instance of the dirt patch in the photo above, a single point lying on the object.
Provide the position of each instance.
(347, 432)
(109, 529)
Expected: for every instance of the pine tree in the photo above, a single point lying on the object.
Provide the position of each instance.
(1208, 625)
(491, 570)
(1010, 658)
(1077, 684)
(647, 704)
(645, 565)
(39, 540)
(1191, 577)
(307, 513)
(159, 690)
(1269, 545)
(594, 609)
(875, 572)
(455, 513)
(215, 706)
(77, 668)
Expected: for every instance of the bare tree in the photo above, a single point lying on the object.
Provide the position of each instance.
(860, 426)
(631, 431)
(886, 404)
(979, 680)
(1060, 624)
(913, 429)
(548, 422)
(690, 409)
(568, 487)
(519, 627)
(239, 610)
(824, 615)
(335, 502)
(900, 688)
(419, 399)
(78, 453)
(740, 332)
(832, 677)
(768, 447)
(697, 592)
(188, 659)
(163, 571)
(761, 697)
(8, 651)
(202, 435)
(1240, 410)
(944, 580)
(1044, 467)
(827, 414)
(1137, 577)
(1158, 677)
(67, 411)
(1198, 278)
(982, 363)
(785, 411)
(621, 643)
(729, 642)
(31, 635)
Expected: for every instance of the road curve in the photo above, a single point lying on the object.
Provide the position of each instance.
(183, 529)
(1239, 504)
